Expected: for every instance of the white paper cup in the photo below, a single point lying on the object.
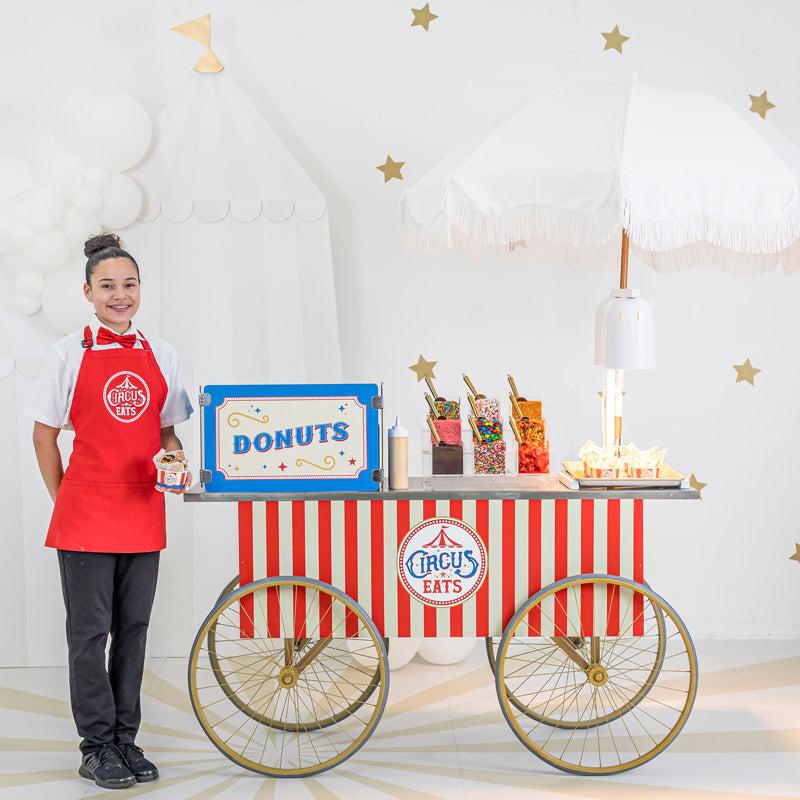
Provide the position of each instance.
(171, 480)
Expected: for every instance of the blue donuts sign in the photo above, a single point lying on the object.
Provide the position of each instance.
(299, 437)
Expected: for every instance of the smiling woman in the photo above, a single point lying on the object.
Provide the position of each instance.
(122, 394)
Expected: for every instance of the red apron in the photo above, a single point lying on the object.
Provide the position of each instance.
(107, 501)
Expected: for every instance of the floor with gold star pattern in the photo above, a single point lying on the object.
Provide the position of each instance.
(442, 735)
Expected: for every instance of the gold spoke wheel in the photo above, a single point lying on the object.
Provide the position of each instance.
(288, 676)
(297, 647)
(552, 651)
(610, 703)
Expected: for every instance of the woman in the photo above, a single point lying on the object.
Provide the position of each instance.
(122, 394)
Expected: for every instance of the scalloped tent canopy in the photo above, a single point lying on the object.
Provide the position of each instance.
(215, 155)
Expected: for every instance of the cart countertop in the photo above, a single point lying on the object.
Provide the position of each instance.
(445, 487)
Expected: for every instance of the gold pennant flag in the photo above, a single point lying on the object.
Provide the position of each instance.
(208, 62)
(198, 30)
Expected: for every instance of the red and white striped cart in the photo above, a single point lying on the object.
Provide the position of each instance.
(595, 673)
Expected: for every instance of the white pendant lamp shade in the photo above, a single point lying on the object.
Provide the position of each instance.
(600, 320)
(625, 332)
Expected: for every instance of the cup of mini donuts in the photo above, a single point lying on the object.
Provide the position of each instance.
(172, 469)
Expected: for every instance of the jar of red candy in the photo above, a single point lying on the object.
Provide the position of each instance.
(533, 459)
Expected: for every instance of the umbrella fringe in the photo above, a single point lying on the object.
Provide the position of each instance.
(531, 222)
(741, 236)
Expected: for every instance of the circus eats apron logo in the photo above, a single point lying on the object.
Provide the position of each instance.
(126, 396)
(442, 562)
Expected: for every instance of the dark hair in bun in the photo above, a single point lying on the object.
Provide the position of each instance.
(101, 247)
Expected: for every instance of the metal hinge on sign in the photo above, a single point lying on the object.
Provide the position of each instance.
(377, 402)
(204, 399)
(377, 476)
(205, 476)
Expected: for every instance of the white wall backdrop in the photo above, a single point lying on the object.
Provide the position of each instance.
(343, 86)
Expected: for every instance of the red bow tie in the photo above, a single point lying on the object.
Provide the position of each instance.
(105, 336)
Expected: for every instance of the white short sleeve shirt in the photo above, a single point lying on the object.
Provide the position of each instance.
(52, 398)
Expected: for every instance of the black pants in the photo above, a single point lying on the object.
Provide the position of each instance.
(107, 594)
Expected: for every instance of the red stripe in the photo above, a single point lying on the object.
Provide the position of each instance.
(273, 568)
(612, 625)
(351, 561)
(299, 564)
(376, 530)
(428, 612)
(325, 569)
(587, 566)
(457, 612)
(482, 596)
(246, 534)
(403, 597)
(638, 565)
(534, 562)
(561, 551)
(509, 561)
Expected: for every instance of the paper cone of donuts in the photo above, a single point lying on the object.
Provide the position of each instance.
(172, 469)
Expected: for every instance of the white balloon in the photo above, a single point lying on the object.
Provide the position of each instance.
(87, 201)
(122, 202)
(44, 207)
(97, 178)
(16, 237)
(21, 210)
(78, 228)
(16, 175)
(48, 251)
(113, 131)
(27, 305)
(63, 172)
(29, 284)
(401, 651)
(14, 263)
(443, 650)
(63, 302)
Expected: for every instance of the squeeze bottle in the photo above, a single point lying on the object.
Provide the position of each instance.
(398, 456)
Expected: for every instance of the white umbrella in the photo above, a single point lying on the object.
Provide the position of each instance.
(688, 178)
(587, 172)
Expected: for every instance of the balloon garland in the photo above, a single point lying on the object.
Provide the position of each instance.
(67, 192)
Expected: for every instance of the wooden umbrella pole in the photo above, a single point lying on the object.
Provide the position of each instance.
(623, 268)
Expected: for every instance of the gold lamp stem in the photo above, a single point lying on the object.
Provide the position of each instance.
(623, 267)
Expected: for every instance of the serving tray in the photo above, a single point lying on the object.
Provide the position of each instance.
(668, 477)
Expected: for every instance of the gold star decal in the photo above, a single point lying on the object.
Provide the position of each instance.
(423, 16)
(423, 369)
(696, 484)
(746, 372)
(796, 556)
(391, 169)
(615, 40)
(760, 105)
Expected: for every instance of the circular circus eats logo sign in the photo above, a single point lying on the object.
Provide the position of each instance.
(126, 396)
(442, 562)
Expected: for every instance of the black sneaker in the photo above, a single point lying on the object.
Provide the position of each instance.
(106, 768)
(142, 769)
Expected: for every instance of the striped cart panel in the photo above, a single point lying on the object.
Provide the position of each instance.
(353, 546)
